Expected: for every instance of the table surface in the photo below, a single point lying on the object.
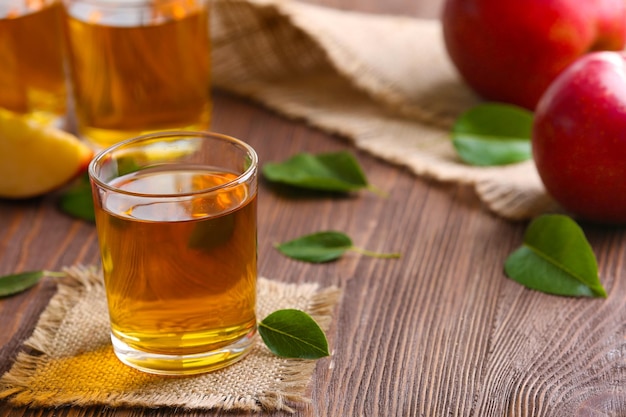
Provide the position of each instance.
(440, 331)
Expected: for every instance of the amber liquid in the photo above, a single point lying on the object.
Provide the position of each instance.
(131, 80)
(180, 276)
(32, 72)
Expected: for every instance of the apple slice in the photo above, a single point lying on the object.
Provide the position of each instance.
(37, 159)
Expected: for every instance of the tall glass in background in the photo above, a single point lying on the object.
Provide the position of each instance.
(139, 66)
(176, 222)
(32, 61)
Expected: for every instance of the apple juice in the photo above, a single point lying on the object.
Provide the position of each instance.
(139, 71)
(32, 48)
(180, 275)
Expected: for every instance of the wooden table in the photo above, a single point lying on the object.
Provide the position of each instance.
(439, 332)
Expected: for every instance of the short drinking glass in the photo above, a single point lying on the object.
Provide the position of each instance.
(176, 222)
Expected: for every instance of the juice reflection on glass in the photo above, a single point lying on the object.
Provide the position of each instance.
(139, 66)
(176, 221)
(32, 66)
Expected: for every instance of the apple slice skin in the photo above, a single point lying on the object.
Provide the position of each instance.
(511, 50)
(579, 138)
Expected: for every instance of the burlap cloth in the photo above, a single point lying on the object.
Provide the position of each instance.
(69, 359)
(383, 82)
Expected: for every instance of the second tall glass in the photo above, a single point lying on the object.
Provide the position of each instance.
(139, 66)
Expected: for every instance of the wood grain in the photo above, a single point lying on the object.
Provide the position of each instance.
(439, 332)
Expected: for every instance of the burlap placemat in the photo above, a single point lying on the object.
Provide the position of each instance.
(69, 359)
(384, 82)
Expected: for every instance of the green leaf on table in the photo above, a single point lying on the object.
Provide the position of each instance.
(77, 201)
(16, 283)
(556, 258)
(493, 134)
(324, 247)
(333, 172)
(293, 334)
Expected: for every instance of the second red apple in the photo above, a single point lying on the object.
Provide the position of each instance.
(579, 138)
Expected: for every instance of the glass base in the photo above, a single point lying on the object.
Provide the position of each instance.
(156, 363)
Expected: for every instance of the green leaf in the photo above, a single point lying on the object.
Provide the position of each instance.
(212, 233)
(77, 200)
(293, 334)
(335, 172)
(324, 247)
(15, 283)
(317, 247)
(493, 134)
(556, 258)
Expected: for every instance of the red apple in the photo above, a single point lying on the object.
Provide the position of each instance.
(511, 50)
(579, 138)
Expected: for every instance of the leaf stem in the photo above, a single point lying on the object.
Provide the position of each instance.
(54, 274)
(375, 254)
(379, 192)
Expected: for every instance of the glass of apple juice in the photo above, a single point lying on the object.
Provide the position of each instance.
(33, 80)
(176, 223)
(139, 66)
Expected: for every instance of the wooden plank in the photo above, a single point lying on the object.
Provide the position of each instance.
(440, 331)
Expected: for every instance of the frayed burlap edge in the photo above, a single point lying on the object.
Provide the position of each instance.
(14, 383)
(295, 374)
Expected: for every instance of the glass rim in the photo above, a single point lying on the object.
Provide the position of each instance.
(240, 179)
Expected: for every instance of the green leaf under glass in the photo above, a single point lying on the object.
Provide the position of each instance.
(556, 258)
(292, 333)
(324, 247)
(212, 232)
(331, 172)
(493, 134)
(16, 283)
(77, 201)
